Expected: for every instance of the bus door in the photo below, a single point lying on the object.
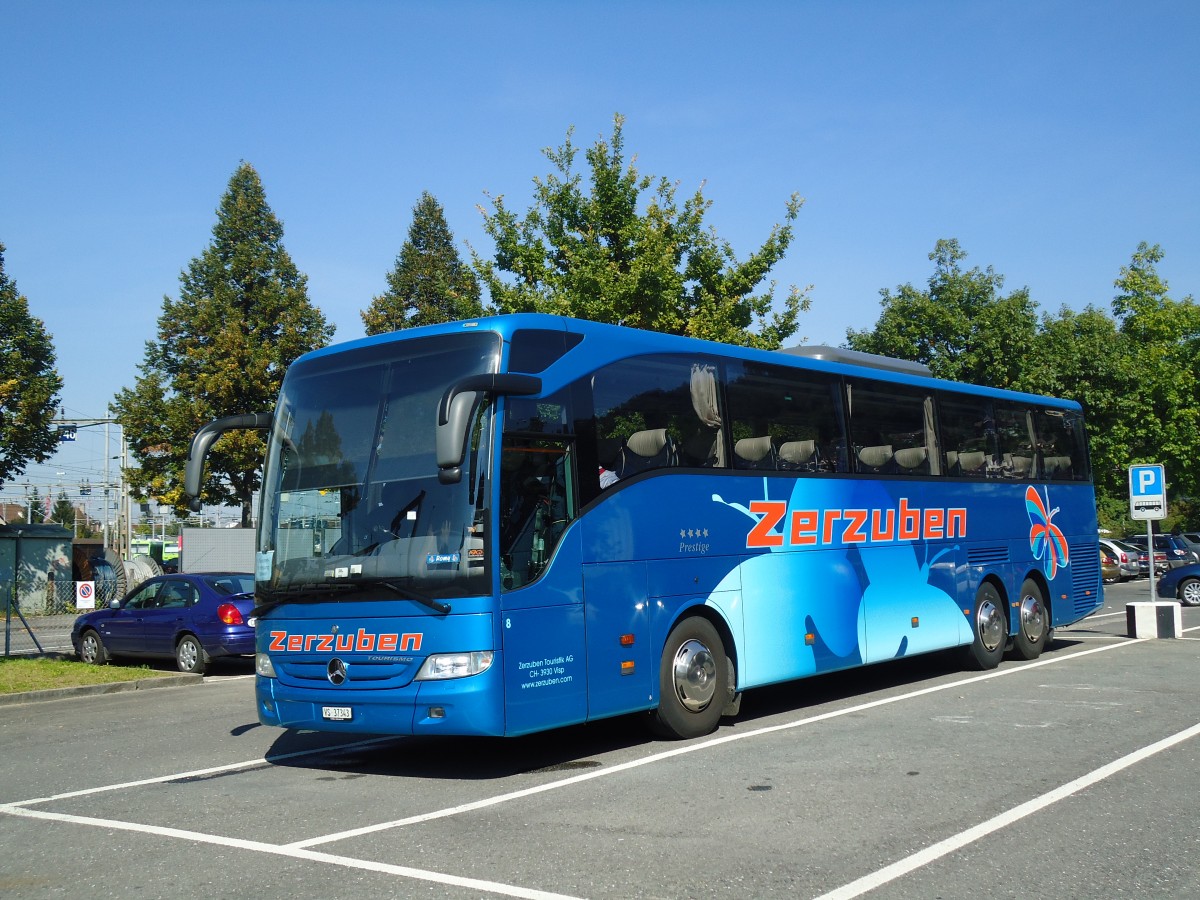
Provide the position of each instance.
(541, 591)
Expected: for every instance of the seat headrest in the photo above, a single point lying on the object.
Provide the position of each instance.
(647, 443)
(797, 452)
(754, 448)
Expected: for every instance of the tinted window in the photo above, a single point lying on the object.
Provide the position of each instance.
(1061, 444)
(785, 419)
(654, 412)
(891, 428)
(538, 494)
(968, 435)
(536, 349)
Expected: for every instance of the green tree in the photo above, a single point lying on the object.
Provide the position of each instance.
(1162, 341)
(63, 512)
(962, 326)
(242, 316)
(29, 383)
(37, 512)
(429, 283)
(625, 251)
(1082, 356)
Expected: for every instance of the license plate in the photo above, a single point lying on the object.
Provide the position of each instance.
(336, 713)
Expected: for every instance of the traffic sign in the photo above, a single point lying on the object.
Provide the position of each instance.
(85, 595)
(1147, 491)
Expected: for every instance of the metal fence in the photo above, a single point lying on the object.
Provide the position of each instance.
(39, 620)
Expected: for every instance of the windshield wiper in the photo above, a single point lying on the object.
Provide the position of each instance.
(407, 594)
(300, 592)
(313, 591)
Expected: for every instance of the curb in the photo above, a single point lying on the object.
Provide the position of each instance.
(112, 687)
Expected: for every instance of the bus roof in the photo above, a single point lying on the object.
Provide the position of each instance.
(616, 342)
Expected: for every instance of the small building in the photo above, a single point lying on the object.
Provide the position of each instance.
(32, 556)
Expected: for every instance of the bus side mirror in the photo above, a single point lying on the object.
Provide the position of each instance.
(454, 415)
(204, 439)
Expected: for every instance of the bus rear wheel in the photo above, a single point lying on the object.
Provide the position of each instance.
(989, 625)
(1033, 622)
(693, 681)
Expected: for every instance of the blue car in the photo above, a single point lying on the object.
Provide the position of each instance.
(1183, 584)
(192, 619)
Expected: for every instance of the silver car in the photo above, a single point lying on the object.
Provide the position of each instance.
(1126, 556)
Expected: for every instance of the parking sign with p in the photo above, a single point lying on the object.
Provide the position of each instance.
(1147, 491)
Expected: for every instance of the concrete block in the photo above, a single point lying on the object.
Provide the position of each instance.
(1161, 619)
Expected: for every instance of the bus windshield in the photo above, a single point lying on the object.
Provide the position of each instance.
(351, 494)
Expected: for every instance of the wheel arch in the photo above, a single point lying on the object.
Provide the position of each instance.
(1038, 577)
(717, 619)
(188, 632)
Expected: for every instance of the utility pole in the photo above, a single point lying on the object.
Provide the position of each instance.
(67, 428)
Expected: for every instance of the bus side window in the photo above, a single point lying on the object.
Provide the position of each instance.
(536, 505)
(1062, 446)
(784, 419)
(967, 435)
(1016, 446)
(656, 412)
(893, 429)
(538, 487)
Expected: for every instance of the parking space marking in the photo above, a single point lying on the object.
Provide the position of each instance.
(302, 849)
(491, 887)
(956, 842)
(197, 773)
(693, 748)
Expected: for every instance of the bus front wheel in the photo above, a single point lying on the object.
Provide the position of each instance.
(692, 681)
(989, 625)
(1033, 622)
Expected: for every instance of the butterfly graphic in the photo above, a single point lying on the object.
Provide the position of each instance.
(1046, 540)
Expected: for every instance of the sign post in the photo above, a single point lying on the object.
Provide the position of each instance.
(1148, 501)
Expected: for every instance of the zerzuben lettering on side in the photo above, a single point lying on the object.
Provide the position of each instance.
(825, 527)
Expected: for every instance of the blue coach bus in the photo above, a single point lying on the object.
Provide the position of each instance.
(512, 524)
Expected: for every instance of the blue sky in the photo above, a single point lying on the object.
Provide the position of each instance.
(1049, 138)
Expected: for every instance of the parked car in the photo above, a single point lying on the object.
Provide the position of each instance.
(1183, 584)
(1192, 539)
(1169, 550)
(1126, 556)
(1110, 571)
(190, 618)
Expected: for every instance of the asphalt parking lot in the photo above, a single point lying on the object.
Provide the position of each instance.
(1072, 776)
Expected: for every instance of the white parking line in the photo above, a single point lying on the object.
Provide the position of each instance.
(956, 842)
(491, 887)
(693, 748)
(300, 849)
(196, 773)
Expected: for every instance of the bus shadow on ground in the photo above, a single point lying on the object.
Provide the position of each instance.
(576, 748)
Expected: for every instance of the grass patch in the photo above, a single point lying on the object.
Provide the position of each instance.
(20, 674)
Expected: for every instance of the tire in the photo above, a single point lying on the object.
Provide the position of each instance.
(1033, 622)
(693, 681)
(1189, 592)
(989, 625)
(190, 656)
(91, 649)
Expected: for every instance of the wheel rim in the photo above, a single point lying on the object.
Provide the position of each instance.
(989, 624)
(1033, 618)
(188, 652)
(88, 648)
(1189, 593)
(695, 675)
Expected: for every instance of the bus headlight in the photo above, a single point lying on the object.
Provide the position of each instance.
(263, 666)
(455, 665)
